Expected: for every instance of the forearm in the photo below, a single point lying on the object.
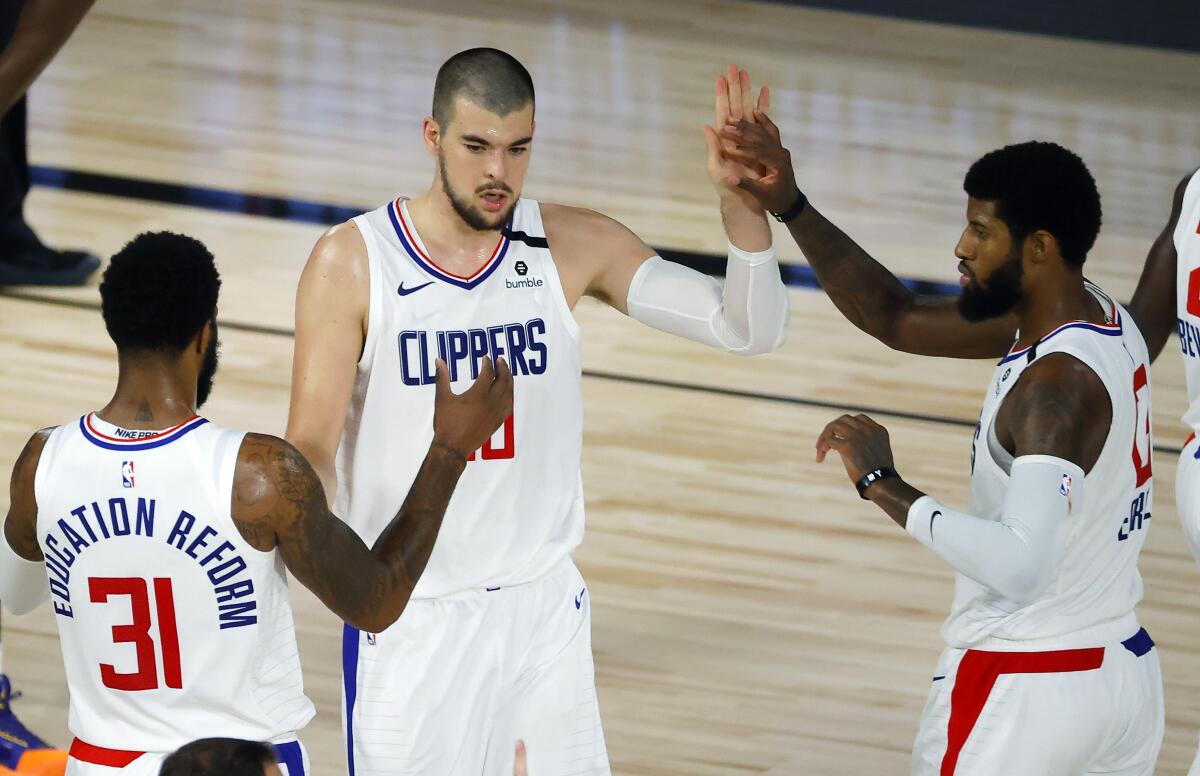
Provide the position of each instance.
(405, 545)
(864, 291)
(1015, 555)
(44, 26)
(745, 223)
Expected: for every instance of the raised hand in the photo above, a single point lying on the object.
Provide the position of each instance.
(755, 146)
(463, 422)
(734, 102)
(862, 443)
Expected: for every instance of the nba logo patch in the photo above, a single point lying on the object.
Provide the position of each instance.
(1065, 486)
(371, 639)
(127, 473)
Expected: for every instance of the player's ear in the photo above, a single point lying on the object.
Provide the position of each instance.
(432, 134)
(207, 332)
(1042, 245)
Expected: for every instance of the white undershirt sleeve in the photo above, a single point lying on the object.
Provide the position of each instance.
(1017, 555)
(23, 585)
(747, 314)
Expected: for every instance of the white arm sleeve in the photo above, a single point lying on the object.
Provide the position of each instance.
(23, 585)
(1017, 555)
(748, 314)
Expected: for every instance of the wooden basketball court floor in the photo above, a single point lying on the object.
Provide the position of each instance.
(752, 615)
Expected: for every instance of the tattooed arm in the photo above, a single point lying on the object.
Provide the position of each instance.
(278, 502)
(1054, 422)
(1153, 304)
(865, 291)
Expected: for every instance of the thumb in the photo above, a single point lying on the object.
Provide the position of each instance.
(755, 188)
(714, 144)
(442, 388)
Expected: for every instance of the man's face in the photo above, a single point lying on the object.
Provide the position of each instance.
(482, 160)
(991, 264)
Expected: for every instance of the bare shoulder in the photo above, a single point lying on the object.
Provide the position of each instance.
(26, 465)
(20, 527)
(338, 257)
(577, 230)
(273, 484)
(1059, 407)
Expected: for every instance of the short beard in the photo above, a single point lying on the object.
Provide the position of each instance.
(998, 297)
(208, 369)
(471, 215)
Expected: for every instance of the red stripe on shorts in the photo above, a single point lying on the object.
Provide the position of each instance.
(977, 675)
(98, 755)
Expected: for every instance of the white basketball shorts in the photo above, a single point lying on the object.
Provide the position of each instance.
(450, 688)
(1050, 713)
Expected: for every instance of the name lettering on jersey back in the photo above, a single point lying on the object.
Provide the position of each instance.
(1189, 338)
(91, 524)
(522, 345)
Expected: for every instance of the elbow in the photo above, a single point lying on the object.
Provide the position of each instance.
(378, 618)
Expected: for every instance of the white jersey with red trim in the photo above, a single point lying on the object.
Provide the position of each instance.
(173, 627)
(1094, 590)
(1187, 293)
(518, 509)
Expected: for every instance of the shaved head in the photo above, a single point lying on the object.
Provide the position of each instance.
(488, 77)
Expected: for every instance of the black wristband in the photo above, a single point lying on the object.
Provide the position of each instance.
(872, 477)
(796, 209)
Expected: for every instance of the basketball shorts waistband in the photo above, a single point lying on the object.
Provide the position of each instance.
(288, 753)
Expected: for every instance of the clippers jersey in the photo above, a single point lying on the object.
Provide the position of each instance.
(518, 510)
(173, 627)
(1096, 585)
(1187, 293)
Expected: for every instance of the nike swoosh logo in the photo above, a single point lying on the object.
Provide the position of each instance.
(402, 291)
(579, 598)
(936, 514)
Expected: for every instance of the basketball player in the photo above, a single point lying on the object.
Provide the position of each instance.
(1169, 292)
(1046, 669)
(165, 537)
(496, 643)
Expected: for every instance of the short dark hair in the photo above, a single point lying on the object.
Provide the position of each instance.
(1040, 185)
(219, 757)
(490, 78)
(158, 292)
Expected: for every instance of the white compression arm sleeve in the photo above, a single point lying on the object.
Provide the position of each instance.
(23, 585)
(1017, 555)
(747, 315)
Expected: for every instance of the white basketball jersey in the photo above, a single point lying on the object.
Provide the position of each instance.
(1096, 585)
(173, 627)
(1187, 295)
(518, 509)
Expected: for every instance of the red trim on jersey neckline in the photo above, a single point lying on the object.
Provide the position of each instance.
(99, 755)
(143, 443)
(407, 235)
(976, 676)
(133, 441)
(1110, 329)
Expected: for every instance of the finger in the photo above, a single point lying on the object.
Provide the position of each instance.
(764, 121)
(714, 145)
(747, 95)
(441, 380)
(504, 385)
(742, 156)
(722, 102)
(519, 769)
(764, 101)
(733, 76)
(744, 133)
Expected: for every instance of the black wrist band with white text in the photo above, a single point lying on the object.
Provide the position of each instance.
(872, 477)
